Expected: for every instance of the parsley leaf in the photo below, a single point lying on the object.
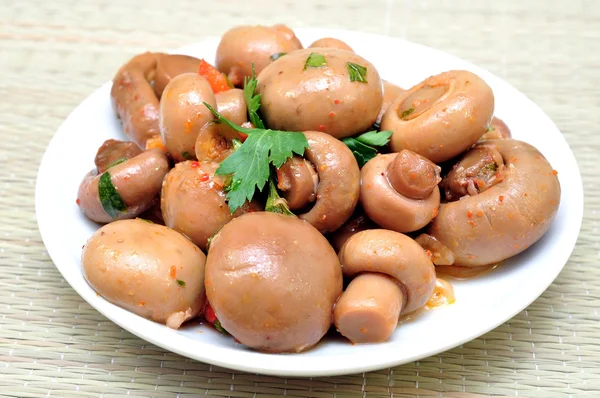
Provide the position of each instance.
(181, 283)
(315, 60)
(490, 128)
(253, 100)
(249, 166)
(109, 196)
(276, 56)
(362, 147)
(219, 328)
(376, 138)
(116, 162)
(357, 73)
(187, 156)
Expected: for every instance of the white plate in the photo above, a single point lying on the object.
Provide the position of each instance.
(481, 304)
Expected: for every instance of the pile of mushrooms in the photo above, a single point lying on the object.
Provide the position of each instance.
(355, 248)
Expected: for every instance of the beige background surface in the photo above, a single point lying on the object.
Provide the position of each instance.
(53, 54)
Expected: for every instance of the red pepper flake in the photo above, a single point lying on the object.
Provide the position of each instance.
(435, 212)
(209, 314)
(472, 223)
(321, 127)
(470, 256)
(78, 201)
(331, 114)
(205, 177)
(501, 198)
(142, 303)
(137, 97)
(526, 194)
(429, 254)
(194, 165)
(479, 213)
(554, 172)
(336, 101)
(470, 214)
(413, 176)
(173, 271)
(188, 126)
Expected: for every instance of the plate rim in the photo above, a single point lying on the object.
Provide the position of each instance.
(257, 368)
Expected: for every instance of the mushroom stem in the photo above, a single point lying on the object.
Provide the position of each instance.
(413, 175)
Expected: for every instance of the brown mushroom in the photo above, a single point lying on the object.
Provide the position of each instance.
(193, 201)
(169, 66)
(114, 151)
(487, 226)
(330, 42)
(242, 46)
(369, 308)
(124, 190)
(440, 117)
(497, 130)
(272, 281)
(183, 114)
(390, 93)
(339, 180)
(399, 191)
(356, 223)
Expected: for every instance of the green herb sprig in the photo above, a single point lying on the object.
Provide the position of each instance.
(363, 146)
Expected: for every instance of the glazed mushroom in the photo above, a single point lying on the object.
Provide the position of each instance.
(338, 182)
(147, 269)
(399, 191)
(215, 140)
(330, 42)
(124, 190)
(502, 209)
(497, 130)
(169, 66)
(183, 114)
(299, 182)
(193, 201)
(356, 223)
(390, 93)
(320, 89)
(134, 99)
(440, 117)
(272, 281)
(392, 276)
(242, 46)
(114, 151)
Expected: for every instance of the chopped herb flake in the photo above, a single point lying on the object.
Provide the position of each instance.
(362, 147)
(315, 60)
(181, 283)
(109, 196)
(407, 112)
(220, 328)
(357, 73)
(116, 162)
(187, 156)
(375, 138)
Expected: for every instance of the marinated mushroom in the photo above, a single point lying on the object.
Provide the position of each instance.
(390, 93)
(169, 66)
(440, 117)
(114, 151)
(242, 46)
(369, 309)
(124, 190)
(356, 223)
(497, 130)
(134, 99)
(183, 114)
(399, 191)
(339, 182)
(272, 281)
(321, 89)
(487, 226)
(193, 201)
(215, 140)
(147, 269)
(330, 42)
(298, 181)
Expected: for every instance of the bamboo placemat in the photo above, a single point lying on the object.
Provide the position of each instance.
(53, 54)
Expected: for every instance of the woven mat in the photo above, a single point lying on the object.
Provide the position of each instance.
(53, 54)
